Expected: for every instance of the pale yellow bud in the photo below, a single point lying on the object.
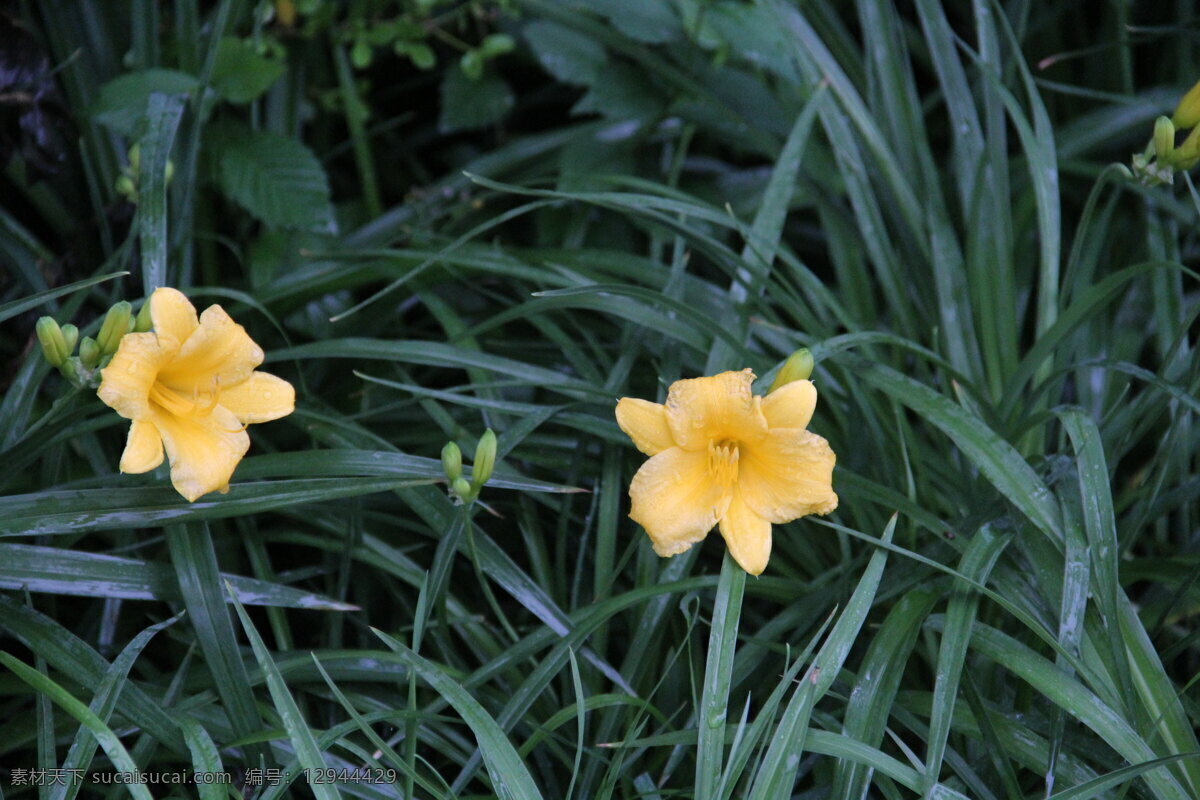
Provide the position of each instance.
(1187, 113)
(798, 367)
(452, 461)
(50, 337)
(485, 460)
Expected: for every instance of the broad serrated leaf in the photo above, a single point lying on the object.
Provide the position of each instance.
(468, 104)
(567, 55)
(241, 73)
(623, 94)
(275, 178)
(123, 100)
(650, 21)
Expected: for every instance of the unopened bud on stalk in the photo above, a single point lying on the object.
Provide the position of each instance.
(798, 367)
(143, 322)
(461, 490)
(1187, 113)
(89, 352)
(452, 461)
(1164, 140)
(50, 337)
(485, 460)
(70, 335)
(115, 325)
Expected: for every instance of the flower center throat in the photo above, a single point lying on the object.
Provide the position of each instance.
(723, 459)
(176, 403)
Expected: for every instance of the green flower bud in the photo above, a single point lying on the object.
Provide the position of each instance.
(126, 187)
(70, 335)
(135, 157)
(452, 461)
(50, 336)
(143, 322)
(116, 324)
(169, 172)
(485, 460)
(461, 491)
(1164, 140)
(1187, 113)
(798, 367)
(89, 352)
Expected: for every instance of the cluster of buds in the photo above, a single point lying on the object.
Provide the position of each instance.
(1161, 159)
(127, 183)
(461, 490)
(58, 342)
(798, 367)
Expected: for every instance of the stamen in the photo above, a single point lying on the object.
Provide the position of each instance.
(200, 405)
(723, 462)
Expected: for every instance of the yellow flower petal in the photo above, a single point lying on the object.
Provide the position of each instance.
(127, 380)
(203, 451)
(259, 398)
(173, 314)
(720, 408)
(646, 424)
(218, 355)
(747, 535)
(676, 500)
(791, 405)
(787, 475)
(143, 448)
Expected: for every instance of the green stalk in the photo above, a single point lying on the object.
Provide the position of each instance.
(718, 675)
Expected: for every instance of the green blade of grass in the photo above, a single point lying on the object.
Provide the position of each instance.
(34, 300)
(77, 660)
(308, 753)
(718, 676)
(762, 240)
(878, 680)
(383, 747)
(437, 354)
(776, 775)
(750, 738)
(74, 572)
(977, 564)
(163, 115)
(509, 776)
(77, 511)
(999, 461)
(1094, 787)
(376, 464)
(205, 757)
(83, 747)
(1076, 700)
(108, 740)
(195, 563)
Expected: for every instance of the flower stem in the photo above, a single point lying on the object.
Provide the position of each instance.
(718, 676)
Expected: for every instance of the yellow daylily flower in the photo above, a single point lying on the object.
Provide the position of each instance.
(190, 386)
(720, 455)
